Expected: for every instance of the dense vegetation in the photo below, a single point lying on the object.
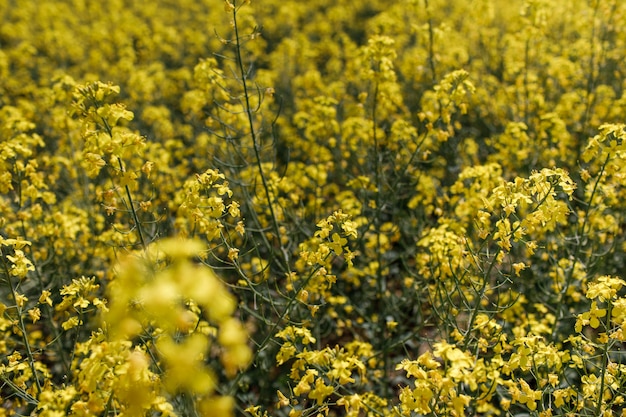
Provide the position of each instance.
(312, 208)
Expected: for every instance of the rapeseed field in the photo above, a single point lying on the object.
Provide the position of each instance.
(322, 208)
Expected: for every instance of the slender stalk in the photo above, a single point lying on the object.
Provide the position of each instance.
(129, 196)
(380, 278)
(431, 43)
(591, 75)
(270, 333)
(605, 361)
(526, 88)
(133, 211)
(49, 316)
(580, 235)
(22, 326)
(253, 133)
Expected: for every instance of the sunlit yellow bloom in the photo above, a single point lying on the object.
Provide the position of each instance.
(320, 392)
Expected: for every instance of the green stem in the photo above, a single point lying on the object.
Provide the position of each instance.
(133, 211)
(580, 236)
(129, 196)
(605, 360)
(22, 326)
(275, 326)
(481, 294)
(380, 278)
(253, 134)
(49, 316)
(431, 43)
